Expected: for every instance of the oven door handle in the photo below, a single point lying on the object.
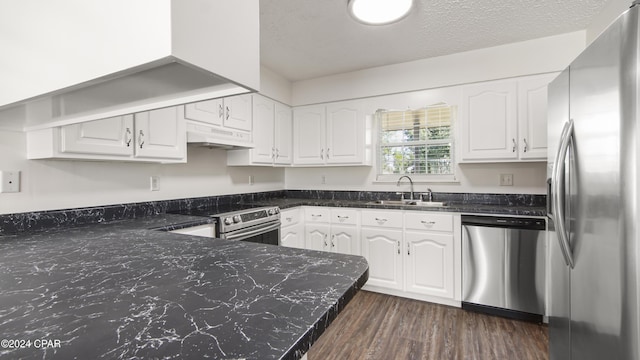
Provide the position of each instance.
(241, 235)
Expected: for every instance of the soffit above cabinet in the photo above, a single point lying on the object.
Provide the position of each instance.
(73, 60)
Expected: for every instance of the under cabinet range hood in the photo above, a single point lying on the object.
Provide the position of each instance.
(75, 60)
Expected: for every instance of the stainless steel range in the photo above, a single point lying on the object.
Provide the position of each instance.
(259, 225)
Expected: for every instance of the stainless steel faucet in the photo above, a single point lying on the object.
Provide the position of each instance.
(410, 181)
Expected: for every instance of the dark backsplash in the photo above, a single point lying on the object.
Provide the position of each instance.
(38, 220)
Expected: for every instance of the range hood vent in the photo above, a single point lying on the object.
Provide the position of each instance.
(75, 61)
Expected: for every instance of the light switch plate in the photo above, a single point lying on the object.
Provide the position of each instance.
(9, 181)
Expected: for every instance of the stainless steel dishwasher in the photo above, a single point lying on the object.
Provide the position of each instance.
(503, 266)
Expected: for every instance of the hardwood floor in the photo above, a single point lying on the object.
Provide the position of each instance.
(377, 326)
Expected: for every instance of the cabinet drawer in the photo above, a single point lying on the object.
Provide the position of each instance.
(317, 215)
(290, 217)
(344, 216)
(387, 219)
(420, 220)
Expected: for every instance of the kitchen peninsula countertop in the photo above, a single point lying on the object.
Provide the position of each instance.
(121, 290)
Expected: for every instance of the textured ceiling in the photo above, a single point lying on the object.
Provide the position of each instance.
(303, 39)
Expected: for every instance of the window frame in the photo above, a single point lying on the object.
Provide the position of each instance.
(417, 178)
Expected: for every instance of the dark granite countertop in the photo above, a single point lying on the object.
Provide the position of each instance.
(467, 208)
(120, 290)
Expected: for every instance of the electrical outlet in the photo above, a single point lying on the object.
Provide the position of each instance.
(9, 181)
(506, 179)
(155, 183)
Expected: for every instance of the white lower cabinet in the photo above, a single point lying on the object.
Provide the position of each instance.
(382, 249)
(413, 254)
(333, 230)
(292, 231)
(429, 264)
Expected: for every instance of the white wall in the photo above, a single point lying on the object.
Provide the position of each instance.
(274, 86)
(523, 58)
(59, 184)
(609, 13)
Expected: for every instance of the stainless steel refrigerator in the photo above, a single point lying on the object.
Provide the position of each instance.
(593, 199)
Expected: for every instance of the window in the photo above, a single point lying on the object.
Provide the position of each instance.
(416, 142)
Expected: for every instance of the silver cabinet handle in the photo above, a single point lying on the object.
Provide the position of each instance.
(325, 241)
(277, 153)
(514, 145)
(220, 111)
(526, 146)
(228, 112)
(273, 153)
(428, 222)
(558, 206)
(288, 218)
(322, 154)
(381, 220)
(342, 218)
(141, 139)
(316, 215)
(398, 247)
(333, 237)
(128, 137)
(408, 249)
(328, 152)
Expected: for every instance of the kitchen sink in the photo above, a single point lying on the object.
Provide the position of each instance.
(408, 203)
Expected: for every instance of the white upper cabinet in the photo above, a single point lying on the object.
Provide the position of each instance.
(309, 133)
(238, 112)
(156, 136)
(208, 111)
(233, 112)
(283, 134)
(532, 116)
(112, 136)
(488, 116)
(331, 134)
(505, 120)
(160, 134)
(271, 136)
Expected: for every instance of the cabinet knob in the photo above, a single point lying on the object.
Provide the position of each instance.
(526, 146)
(322, 154)
(328, 152)
(398, 247)
(228, 112)
(220, 111)
(408, 249)
(141, 139)
(514, 145)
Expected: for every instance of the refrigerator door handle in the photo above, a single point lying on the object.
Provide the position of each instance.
(558, 205)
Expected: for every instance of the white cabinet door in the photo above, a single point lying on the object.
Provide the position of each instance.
(263, 130)
(344, 239)
(345, 126)
(112, 136)
(532, 116)
(382, 249)
(489, 121)
(160, 134)
(238, 112)
(317, 237)
(283, 134)
(292, 236)
(429, 264)
(309, 135)
(208, 111)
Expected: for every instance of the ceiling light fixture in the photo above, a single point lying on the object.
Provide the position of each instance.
(379, 12)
